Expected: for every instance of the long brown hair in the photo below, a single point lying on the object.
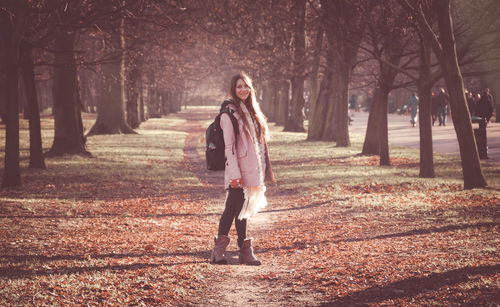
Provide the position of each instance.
(251, 104)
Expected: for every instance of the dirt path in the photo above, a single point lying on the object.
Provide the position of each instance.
(240, 285)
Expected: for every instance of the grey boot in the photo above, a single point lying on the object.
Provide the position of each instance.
(217, 256)
(246, 253)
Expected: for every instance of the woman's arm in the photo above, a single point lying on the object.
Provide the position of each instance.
(230, 151)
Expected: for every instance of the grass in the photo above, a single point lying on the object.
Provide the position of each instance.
(305, 164)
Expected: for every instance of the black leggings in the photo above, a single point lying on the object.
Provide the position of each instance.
(234, 204)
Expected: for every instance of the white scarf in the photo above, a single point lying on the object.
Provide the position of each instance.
(254, 196)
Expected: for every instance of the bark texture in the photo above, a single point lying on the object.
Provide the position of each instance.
(318, 112)
(424, 86)
(472, 172)
(10, 37)
(296, 120)
(314, 86)
(110, 110)
(36, 152)
(283, 101)
(68, 130)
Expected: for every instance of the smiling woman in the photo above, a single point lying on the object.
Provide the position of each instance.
(247, 166)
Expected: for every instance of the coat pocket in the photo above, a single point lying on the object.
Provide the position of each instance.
(242, 144)
(241, 148)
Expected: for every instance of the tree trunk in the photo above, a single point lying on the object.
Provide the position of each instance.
(271, 111)
(153, 101)
(110, 112)
(266, 98)
(36, 151)
(68, 132)
(44, 90)
(283, 101)
(276, 101)
(383, 130)
(12, 172)
(132, 99)
(163, 97)
(424, 114)
(318, 112)
(344, 38)
(3, 81)
(493, 82)
(296, 120)
(142, 117)
(153, 104)
(472, 173)
(181, 99)
(313, 97)
(341, 118)
(22, 95)
(329, 129)
(371, 145)
(345, 62)
(377, 138)
(86, 92)
(319, 107)
(176, 101)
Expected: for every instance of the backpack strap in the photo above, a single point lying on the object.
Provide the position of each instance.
(225, 109)
(225, 104)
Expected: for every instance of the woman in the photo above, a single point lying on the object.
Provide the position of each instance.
(247, 165)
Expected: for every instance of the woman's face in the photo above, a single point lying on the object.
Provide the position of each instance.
(242, 90)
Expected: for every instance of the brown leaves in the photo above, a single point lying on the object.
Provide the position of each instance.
(130, 235)
(370, 243)
(269, 276)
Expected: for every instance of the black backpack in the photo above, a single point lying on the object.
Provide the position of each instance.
(214, 153)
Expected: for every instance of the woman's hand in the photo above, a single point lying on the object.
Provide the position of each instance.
(236, 183)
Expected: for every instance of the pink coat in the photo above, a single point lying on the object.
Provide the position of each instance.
(241, 159)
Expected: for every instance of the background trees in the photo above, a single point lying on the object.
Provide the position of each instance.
(133, 60)
(12, 28)
(444, 47)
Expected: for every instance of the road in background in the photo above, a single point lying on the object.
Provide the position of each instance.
(444, 137)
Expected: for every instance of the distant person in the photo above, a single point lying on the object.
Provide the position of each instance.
(484, 107)
(471, 103)
(413, 106)
(476, 98)
(247, 166)
(353, 103)
(306, 110)
(434, 108)
(442, 100)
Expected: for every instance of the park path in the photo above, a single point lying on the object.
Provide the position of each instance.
(240, 285)
(444, 137)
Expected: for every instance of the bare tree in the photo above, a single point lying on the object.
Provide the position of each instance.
(12, 26)
(344, 29)
(443, 45)
(296, 120)
(37, 159)
(387, 39)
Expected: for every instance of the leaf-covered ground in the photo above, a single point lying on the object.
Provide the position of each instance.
(134, 226)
